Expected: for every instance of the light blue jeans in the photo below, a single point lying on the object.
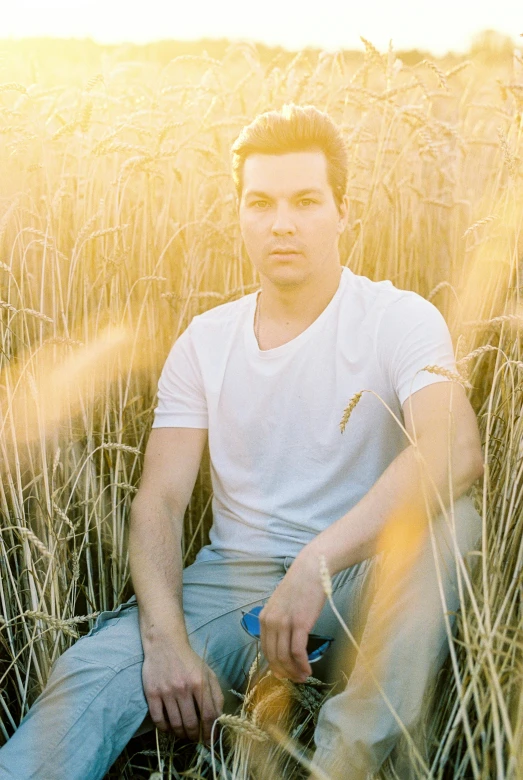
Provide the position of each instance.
(94, 701)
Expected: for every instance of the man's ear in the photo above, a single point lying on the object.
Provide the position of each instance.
(343, 214)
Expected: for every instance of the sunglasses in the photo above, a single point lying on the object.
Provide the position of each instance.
(317, 645)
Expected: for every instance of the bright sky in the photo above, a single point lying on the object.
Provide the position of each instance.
(438, 26)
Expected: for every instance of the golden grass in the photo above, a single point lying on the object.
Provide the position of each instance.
(117, 225)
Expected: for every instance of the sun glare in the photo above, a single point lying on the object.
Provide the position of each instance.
(438, 28)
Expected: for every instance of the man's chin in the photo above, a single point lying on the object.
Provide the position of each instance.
(287, 277)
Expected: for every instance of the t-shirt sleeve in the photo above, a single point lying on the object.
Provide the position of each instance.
(412, 334)
(181, 396)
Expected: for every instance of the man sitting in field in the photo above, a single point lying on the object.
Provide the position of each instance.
(267, 379)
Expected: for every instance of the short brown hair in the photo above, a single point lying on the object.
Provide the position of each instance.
(293, 129)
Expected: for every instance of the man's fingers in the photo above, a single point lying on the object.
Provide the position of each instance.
(209, 710)
(216, 694)
(157, 714)
(284, 661)
(264, 637)
(269, 641)
(299, 653)
(190, 718)
(175, 718)
(273, 641)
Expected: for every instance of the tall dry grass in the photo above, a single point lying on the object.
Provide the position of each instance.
(117, 225)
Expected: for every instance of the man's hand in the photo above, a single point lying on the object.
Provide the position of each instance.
(182, 692)
(289, 616)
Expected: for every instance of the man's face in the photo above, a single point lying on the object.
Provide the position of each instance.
(289, 220)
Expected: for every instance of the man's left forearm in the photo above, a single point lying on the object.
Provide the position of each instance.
(406, 485)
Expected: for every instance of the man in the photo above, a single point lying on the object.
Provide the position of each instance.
(266, 379)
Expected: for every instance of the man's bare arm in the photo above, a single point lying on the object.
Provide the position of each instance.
(445, 460)
(440, 419)
(175, 678)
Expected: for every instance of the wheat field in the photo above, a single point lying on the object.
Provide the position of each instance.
(118, 225)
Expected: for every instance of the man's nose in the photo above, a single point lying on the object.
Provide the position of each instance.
(283, 221)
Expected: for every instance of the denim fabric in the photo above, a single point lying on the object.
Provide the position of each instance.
(94, 701)
(404, 643)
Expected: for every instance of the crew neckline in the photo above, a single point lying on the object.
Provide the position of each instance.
(301, 338)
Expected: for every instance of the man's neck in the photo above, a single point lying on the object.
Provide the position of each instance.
(285, 312)
(300, 303)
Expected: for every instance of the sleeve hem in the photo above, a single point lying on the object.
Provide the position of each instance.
(418, 384)
(179, 421)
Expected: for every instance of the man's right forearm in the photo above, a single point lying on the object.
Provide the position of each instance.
(156, 568)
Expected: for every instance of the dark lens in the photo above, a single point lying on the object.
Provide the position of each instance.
(251, 622)
(317, 646)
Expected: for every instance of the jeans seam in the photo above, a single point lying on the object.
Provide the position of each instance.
(218, 615)
(131, 661)
(345, 581)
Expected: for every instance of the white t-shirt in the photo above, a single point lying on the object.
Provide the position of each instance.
(281, 469)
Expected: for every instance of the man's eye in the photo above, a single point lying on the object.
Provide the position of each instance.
(259, 204)
(307, 201)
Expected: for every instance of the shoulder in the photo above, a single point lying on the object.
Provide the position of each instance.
(221, 318)
(391, 305)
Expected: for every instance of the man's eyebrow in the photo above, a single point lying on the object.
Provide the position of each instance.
(261, 194)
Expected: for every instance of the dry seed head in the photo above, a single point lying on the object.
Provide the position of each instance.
(86, 229)
(8, 306)
(98, 79)
(53, 622)
(440, 371)
(14, 86)
(462, 346)
(105, 147)
(513, 319)
(67, 625)
(438, 288)
(60, 193)
(26, 533)
(126, 486)
(442, 79)
(85, 117)
(120, 448)
(106, 232)
(61, 514)
(476, 353)
(254, 667)
(354, 401)
(511, 160)
(457, 69)
(37, 315)
(75, 560)
(67, 129)
(56, 461)
(244, 727)
(435, 202)
(478, 223)
(372, 52)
